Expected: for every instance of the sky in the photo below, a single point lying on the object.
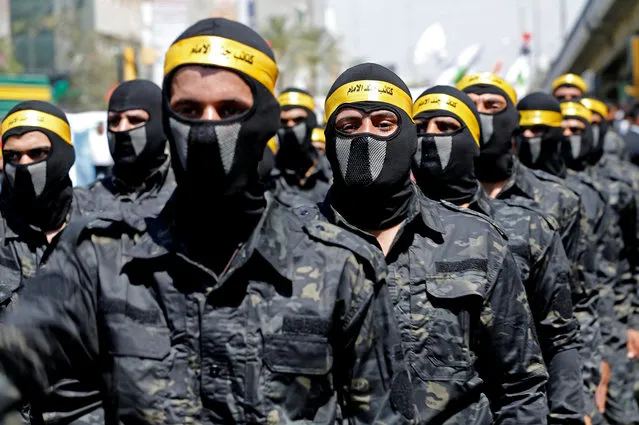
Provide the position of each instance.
(386, 31)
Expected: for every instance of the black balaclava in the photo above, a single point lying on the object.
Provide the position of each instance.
(443, 165)
(140, 151)
(216, 162)
(40, 193)
(541, 152)
(371, 174)
(599, 130)
(296, 152)
(578, 148)
(267, 163)
(495, 159)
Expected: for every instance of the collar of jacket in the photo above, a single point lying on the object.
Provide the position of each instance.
(519, 182)
(420, 207)
(153, 183)
(481, 203)
(162, 238)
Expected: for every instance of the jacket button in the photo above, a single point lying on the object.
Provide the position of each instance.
(214, 371)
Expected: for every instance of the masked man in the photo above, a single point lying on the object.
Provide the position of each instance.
(569, 87)
(620, 406)
(299, 170)
(542, 146)
(448, 132)
(458, 297)
(37, 204)
(234, 309)
(142, 172)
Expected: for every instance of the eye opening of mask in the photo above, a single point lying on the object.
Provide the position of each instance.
(423, 120)
(247, 114)
(142, 122)
(45, 151)
(374, 111)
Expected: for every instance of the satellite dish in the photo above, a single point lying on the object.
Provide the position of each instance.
(432, 43)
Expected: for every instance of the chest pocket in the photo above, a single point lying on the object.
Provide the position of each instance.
(450, 315)
(10, 282)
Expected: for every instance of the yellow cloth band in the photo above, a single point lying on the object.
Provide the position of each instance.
(219, 51)
(272, 144)
(294, 98)
(595, 106)
(570, 80)
(368, 90)
(318, 135)
(491, 80)
(32, 118)
(445, 102)
(538, 117)
(574, 109)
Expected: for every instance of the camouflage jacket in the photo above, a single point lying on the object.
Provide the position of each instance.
(313, 189)
(111, 193)
(560, 205)
(621, 182)
(465, 323)
(546, 274)
(298, 329)
(23, 252)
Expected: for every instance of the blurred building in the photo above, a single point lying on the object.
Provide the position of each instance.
(5, 23)
(37, 28)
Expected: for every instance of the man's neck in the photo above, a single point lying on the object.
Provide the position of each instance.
(386, 237)
(50, 234)
(493, 189)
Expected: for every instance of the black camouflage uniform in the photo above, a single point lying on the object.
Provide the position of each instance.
(40, 198)
(620, 182)
(464, 318)
(444, 169)
(296, 327)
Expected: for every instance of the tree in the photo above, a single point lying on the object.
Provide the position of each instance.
(302, 50)
(75, 50)
(8, 62)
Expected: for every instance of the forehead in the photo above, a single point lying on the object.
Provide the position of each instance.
(487, 96)
(350, 112)
(132, 112)
(27, 141)
(573, 122)
(197, 82)
(294, 112)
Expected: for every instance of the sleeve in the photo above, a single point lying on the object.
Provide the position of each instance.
(512, 362)
(376, 386)
(558, 331)
(52, 332)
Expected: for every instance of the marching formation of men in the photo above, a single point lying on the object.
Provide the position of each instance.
(465, 257)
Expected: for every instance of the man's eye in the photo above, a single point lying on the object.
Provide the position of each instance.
(136, 120)
(114, 122)
(348, 128)
(11, 156)
(188, 111)
(38, 153)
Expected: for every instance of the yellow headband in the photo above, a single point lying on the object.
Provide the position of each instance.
(574, 109)
(219, 51)
(595, 106)
(318, 135)
(368, 90)
(491, 80)
(272, 145)
(570, 80)
(539, 117)
(295, 98)
(33, 118)
(445, 102)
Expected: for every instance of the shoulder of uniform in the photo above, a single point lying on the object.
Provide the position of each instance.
(489, 222)
(333, 235)
(535, 213)
(314, 223)
(556, 183)
(82, 227)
